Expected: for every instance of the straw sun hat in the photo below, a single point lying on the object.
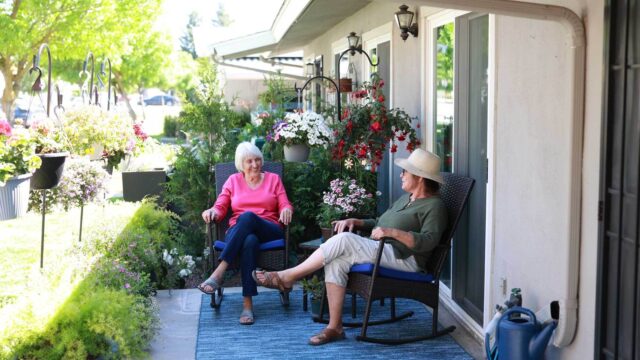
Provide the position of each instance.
(422, 163)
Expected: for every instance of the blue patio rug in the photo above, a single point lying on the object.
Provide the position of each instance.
(282, 333)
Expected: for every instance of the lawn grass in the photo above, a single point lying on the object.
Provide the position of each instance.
(30, 296)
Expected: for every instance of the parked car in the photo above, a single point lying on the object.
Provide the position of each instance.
(161, 100)
(20, 113)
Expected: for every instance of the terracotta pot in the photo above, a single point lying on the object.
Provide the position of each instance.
(326, 233)
(345, 85)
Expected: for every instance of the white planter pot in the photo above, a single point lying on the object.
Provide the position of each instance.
(296, 153)
(14, 197)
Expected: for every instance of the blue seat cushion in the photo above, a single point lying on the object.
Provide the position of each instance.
(367, 269)
(269, 245)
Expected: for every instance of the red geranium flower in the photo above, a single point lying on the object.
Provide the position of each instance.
(375, 127)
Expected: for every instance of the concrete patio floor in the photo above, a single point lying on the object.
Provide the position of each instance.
(179, 314)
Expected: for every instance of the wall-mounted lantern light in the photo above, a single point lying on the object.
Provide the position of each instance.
(354, 43)
(404, 19)
(310, 68)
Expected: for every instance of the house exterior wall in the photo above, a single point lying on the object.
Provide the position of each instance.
(531, 147)
(243, 93)
(532, 124)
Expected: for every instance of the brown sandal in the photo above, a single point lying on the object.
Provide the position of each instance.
(271, 281)
(326, 336)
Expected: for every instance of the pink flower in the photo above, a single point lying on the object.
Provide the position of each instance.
(5, 128)
(127, 286)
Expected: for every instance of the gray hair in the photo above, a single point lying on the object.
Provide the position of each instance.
(243, 151)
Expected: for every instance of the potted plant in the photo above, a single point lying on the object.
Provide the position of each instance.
(17, 163)
(366, 126)
(298, 131)
(345, 198)
(315, 287)
(51, 147)
(95, 132)
(82, 182)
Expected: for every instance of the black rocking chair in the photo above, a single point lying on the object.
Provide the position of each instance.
(274, 255)
(373, 282)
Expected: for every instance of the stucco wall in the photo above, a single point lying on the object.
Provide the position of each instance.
(532, 160)
(532, 165)
(243, 93)
(532, 126)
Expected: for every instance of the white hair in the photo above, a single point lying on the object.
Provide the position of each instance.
(243, 151)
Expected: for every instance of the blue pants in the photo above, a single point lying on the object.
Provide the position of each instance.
(243, 239)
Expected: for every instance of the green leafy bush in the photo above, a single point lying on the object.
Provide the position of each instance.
(216, 131)
(170, 126)
(95, 322)
(110, 314)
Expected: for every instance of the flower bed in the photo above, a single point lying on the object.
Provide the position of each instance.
(98, 302)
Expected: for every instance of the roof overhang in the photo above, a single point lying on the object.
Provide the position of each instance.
(297, 24)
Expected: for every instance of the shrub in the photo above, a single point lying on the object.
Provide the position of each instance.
(117, 275)
(95, 322)
(170, 126)
(159, 223)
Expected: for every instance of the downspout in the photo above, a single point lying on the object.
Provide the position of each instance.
(268, 72)
(569, 304)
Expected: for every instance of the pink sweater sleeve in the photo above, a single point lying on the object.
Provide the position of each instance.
(266, 201)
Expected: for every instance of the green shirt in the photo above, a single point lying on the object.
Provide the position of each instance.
(425, 218)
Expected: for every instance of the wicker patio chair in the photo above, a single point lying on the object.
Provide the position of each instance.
(372, 281)
(274, 255)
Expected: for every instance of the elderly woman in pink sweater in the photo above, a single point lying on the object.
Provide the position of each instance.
(259, 206)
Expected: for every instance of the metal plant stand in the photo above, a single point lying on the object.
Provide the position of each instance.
(354, 47)
(37, 86)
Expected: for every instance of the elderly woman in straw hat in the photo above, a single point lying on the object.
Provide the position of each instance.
(414, 225)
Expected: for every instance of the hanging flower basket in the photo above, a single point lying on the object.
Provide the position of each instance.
(49, 174)
(14, 197)
(296, 152)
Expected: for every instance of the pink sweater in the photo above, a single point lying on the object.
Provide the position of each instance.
(266, 201)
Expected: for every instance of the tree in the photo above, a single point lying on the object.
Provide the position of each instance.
(145, 66)
(186, 41)
(70, 28)
(222, 18)
(444, 67)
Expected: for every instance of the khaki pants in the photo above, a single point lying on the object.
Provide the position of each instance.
(346, 249)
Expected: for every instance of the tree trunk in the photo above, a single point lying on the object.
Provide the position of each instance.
(118, 79)
(8, 94)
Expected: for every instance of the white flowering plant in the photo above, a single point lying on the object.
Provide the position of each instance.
(345, 198)
(176, 266)
(301, 128)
